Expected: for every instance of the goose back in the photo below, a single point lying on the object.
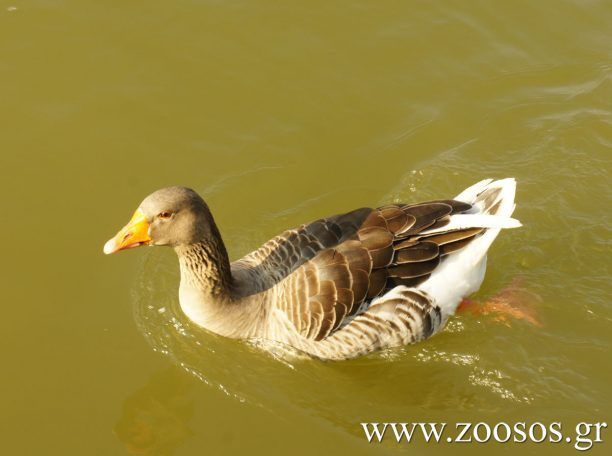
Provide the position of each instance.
(325, 273)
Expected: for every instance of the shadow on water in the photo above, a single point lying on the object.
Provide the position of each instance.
(155, 418)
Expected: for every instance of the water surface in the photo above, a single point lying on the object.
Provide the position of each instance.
(279, 113)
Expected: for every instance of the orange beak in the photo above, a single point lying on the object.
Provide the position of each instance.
(134, 234)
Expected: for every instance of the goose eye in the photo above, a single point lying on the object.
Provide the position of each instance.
(165, 214)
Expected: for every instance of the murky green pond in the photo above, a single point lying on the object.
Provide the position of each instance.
(279, 113)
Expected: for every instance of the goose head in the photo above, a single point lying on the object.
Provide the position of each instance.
(172, 216)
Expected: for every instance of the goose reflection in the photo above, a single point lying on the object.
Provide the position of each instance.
(154, 419)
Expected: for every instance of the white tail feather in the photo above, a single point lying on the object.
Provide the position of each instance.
(469, 194)
(461, 273)
(463, 221)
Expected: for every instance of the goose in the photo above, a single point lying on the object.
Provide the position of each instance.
(336, 288)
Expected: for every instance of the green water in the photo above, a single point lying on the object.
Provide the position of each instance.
(279, 113)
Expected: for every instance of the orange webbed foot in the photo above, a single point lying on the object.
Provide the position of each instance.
(512, 302)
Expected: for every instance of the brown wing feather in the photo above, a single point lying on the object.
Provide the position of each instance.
(325, 270)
